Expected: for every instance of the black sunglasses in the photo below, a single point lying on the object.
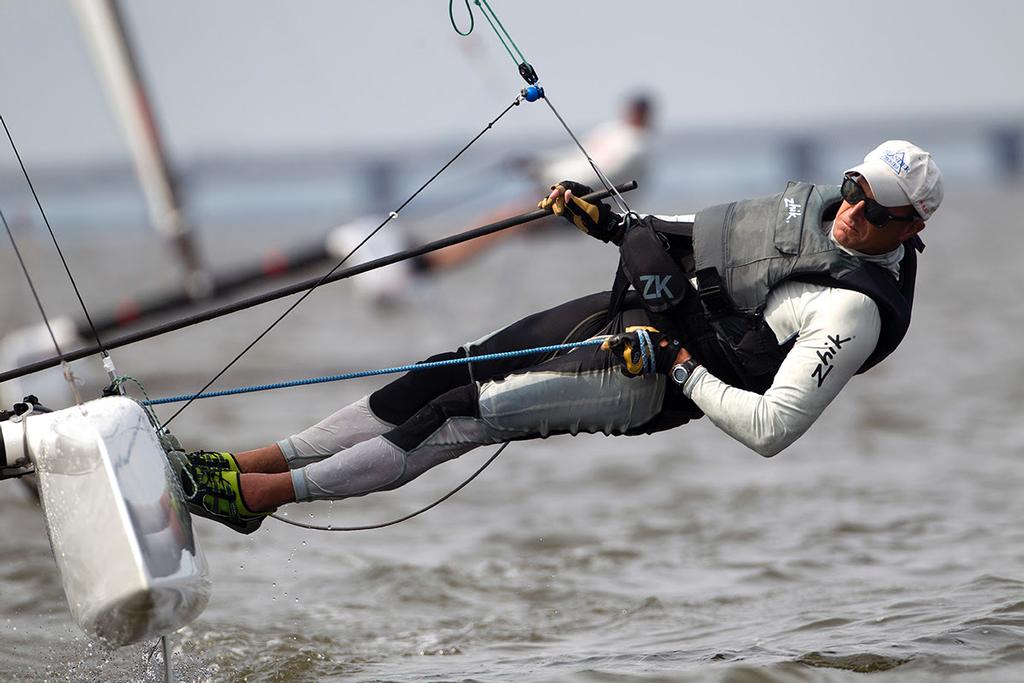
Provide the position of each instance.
(878, 215)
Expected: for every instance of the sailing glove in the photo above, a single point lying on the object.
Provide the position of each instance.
(642, 350)
(595, 219)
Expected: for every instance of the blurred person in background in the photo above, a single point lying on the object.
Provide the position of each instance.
(620, 148)
(756, 313)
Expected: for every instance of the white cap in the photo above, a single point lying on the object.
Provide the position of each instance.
(901, 173)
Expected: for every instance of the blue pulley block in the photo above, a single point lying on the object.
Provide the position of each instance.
(533, 93)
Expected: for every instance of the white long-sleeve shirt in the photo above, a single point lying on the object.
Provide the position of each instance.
(835, 331)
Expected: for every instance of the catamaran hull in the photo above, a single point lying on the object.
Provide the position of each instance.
(122, 539)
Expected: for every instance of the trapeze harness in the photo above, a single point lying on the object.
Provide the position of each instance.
(738, 252)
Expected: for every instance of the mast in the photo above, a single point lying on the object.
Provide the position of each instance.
(103, 25)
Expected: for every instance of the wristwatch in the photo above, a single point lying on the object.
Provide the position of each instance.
(681, 372)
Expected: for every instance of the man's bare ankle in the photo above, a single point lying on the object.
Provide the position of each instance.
(262, 492)
(267, 460)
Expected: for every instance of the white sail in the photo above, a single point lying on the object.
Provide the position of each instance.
(102, 25)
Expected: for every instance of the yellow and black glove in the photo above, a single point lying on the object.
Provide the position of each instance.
(643, 349)
(597, 220)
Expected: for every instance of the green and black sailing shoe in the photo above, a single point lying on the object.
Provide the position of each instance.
(217, 495)
(213, 461)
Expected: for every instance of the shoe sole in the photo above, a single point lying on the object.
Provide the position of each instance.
(246, 527)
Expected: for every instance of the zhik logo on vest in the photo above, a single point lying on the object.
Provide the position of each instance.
(657, 283)
(795, 209)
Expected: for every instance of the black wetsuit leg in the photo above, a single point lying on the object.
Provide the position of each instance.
(572, 321)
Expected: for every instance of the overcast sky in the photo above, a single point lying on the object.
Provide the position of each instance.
(257, 76)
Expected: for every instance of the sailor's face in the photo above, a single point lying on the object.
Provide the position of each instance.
(854, 231)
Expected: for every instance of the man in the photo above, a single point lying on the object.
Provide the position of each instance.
(756, 314)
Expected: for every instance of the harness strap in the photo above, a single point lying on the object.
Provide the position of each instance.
(712, 294)
(680, 228)
(620, 287)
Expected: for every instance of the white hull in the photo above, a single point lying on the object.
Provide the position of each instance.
(130, 564)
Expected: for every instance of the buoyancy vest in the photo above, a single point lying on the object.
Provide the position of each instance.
(740, 252)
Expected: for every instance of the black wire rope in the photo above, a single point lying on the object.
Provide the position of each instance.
(393, 214)
(399, 520)
(53, 237)
(593, 164)
(31, 285)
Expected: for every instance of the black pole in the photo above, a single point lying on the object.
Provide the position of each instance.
(272, 265)
(298, 287)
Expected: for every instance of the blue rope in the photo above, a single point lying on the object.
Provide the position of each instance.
(372, 373)
(646, 350)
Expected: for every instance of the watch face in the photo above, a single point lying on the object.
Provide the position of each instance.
(679, 374)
